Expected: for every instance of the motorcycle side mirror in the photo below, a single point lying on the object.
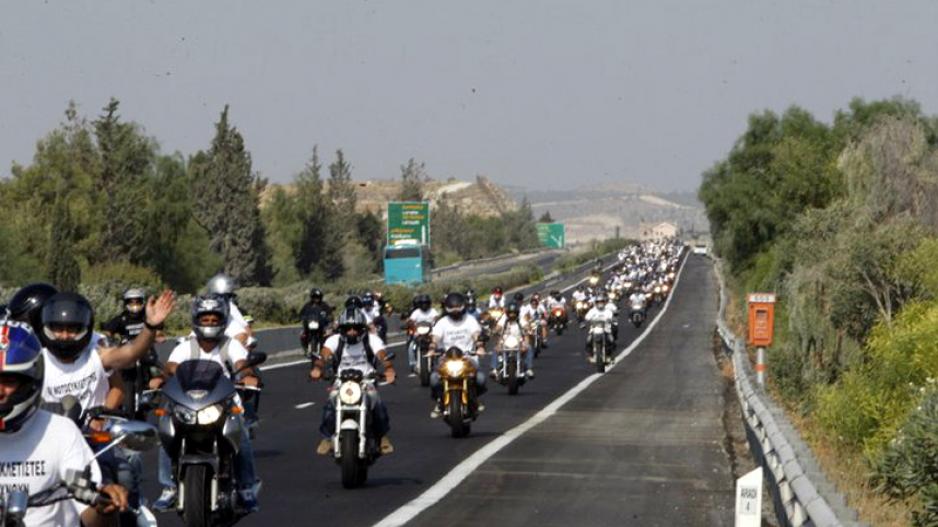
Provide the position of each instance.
(135, 435)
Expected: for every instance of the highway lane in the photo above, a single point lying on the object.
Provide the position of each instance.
(297, 482)
(640, 446)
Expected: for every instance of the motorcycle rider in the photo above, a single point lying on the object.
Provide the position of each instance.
(43, 445)
(78, 364)
(315, 309)
(534, 316)
(423, 312)
(354, 347)
(210, 342)
(373, 314)
(497, 299)
(26, 304)
(638, 299)
(472, 306)
(601, 313)
(456, 329)
(510, 324)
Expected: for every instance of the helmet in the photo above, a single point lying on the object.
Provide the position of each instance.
(512, 311)
(353, 302)
(205, 305)
(497, 291)
(601, 299)
(67, 309)
(556, 294)
(315, 294)
(518, 297)
(135, 293)
(423, 302)
(352, 318)
(26, 304)
(455, 305)
(368, 299)
(22, 357)
(221, 284)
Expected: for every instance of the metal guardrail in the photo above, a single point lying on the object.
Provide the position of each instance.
(801, 492)
(481, 261)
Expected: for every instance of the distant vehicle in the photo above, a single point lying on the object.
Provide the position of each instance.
(406, 264)
(701, 248)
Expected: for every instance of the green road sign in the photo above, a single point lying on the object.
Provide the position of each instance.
(409, 222)
(551, 235)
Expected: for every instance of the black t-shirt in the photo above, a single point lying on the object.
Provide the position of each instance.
(124, 325)
(321, 310)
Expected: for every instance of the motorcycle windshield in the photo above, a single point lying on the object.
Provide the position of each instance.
(198, 384)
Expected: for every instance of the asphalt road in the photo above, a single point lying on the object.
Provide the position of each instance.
(641, 446)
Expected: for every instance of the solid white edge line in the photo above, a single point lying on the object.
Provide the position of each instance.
(444, 486)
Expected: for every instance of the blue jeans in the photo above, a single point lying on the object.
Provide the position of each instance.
(244, 465)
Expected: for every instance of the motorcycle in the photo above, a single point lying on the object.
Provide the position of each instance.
(113, 430)
(637, 314)
(533, 330)
(460, 406)
(582, 307)
(421, 343)
(201, 426)
(314, 332)
(355, 447)
(510, 369)
(599, 345)
(558, 320)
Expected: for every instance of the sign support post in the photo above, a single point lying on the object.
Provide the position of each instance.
(761, 328)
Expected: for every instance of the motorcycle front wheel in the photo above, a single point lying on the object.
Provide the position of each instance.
(424, 369)
(599, 352)
(457, 419)
(197, 511)
(354, 470)
(512, 376)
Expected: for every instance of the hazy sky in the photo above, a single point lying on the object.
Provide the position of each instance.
(535, 93)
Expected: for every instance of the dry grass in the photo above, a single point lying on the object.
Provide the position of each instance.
(849, 472)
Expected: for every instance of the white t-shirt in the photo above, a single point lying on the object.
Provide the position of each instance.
(553, 302)
(497, 302)
(36, 457)
(183, 351)
(507, 328)
(462, 334)
(85, 379)
(528, 313)
(579, 295)
(418, 315)
(354, 355)
(236, 323)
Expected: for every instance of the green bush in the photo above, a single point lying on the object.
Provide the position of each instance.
(909, 464)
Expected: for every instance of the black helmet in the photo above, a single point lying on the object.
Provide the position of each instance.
(315, 294)
(518, 297)
(353, 302)
(67, 309)
(556, 294)
(423, 302)
(352, 318)
(368, 299)
(455, 305)
(209, 304)
(22, 358)
(26, 304)
(512, 311)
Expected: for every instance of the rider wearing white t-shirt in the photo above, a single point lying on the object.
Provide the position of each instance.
(457, 330)
(354, 347)
(423, 312)
(38, 448)
(510, 325)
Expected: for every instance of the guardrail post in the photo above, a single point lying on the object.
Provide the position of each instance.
(760, 366)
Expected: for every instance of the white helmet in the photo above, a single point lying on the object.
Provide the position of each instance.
(221, 284)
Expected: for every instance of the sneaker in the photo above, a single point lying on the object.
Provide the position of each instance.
(324, 447)
(545, 346)
(480, 407)
(166, 501)
(529, 374)
(494, 375)
(436, 412)
(386, 446)
(591, 359)
(248, 500)
(412, 374)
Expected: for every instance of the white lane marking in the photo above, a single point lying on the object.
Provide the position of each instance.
(461, 471)
(304, 405)
(306, 361)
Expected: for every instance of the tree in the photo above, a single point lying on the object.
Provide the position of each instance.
(227, 194)
(413, 175)
(546, 218)
(63, 268)
(322, 236)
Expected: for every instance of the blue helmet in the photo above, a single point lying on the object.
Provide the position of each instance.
(20, 356)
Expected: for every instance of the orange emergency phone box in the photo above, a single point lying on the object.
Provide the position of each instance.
(761, 319)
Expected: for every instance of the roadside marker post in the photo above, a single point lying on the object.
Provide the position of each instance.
(749, 499)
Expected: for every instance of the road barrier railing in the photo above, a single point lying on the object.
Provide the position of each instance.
(802, 494)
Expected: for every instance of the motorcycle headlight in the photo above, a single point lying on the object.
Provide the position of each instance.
(664, 288)
(423, 330)
(209, 415)
(313, 324)
(511, 342)
(454, 368)
(184, 415)
(658, 289)
(350, 393)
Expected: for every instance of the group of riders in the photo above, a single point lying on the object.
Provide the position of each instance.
(52, 357)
